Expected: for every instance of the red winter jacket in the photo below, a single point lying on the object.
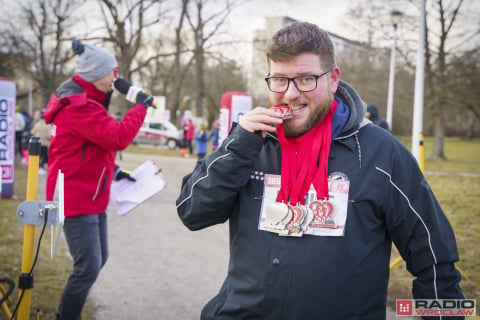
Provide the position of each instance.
(83, 145)
(190, 131)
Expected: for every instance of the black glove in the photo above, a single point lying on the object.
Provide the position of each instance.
(144, 99)
(122, 174)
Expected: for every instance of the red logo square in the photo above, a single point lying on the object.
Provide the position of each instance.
(405, 307)
(7, 172)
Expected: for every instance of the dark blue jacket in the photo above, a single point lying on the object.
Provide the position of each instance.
(320, 277)
(375, 117)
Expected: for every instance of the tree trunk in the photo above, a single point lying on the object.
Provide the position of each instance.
(471, 125)
(177, 65)
(438, 136)
(199, 62)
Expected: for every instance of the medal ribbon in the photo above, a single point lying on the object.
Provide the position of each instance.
(305, 161)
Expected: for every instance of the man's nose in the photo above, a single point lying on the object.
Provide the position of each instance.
(292, 91)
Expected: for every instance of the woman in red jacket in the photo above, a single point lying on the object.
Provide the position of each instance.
(84, 141)
(190, 135)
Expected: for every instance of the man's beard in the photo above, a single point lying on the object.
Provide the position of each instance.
(317, 113)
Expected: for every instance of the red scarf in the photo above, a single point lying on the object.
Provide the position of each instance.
(305, 161)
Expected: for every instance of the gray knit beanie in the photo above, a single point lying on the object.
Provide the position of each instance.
(93, 63)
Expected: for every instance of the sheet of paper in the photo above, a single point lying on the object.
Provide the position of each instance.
(127, 195)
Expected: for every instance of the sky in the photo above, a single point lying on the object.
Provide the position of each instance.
(327, 14)
(245, 19)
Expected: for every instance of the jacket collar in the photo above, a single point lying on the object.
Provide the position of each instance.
(355, 104)
(90, 89)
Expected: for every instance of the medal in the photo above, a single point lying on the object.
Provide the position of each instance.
(278, 215)
(293, 228)
(284, 109)
(308, 219)
(323, 214)
(319, 217)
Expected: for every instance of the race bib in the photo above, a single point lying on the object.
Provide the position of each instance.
(317, 217)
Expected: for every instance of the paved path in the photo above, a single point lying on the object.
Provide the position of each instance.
(158, 269)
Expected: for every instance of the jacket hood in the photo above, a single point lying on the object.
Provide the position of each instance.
(68, 88)
(69, 93)
(354, 102)
(74, 92)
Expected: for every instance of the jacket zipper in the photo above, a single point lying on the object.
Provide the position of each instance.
(99, 183)
(84, 151)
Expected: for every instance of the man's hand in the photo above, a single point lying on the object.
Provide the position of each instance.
(261, 119)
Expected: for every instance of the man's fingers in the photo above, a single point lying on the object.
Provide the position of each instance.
(260, 119)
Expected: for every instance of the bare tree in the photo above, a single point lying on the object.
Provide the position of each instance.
(166, 73)
(465, 81)
(452, 32)
(38, 47)
(223, 76)
(177, 66)
(204, 28)
(440, 29)
(125, 25)
(370, 23)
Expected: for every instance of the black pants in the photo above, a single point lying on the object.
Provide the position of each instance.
(18, 142)
(43, 156)
(190, 147)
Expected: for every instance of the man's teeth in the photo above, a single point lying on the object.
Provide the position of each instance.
(296, 107)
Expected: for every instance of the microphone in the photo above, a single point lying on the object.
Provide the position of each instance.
(126, 88)
(131, 92)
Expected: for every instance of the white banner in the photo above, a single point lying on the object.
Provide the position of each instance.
(7, 136)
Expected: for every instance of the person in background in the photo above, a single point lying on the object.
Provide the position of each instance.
(183, 140)
(83, 145)
(19, 127)
(189, 136)
(202, 137)
(314, 198)
(26, 116)
(26, 135)
(372, 115)
(215, 134)
(42, 130)
(118, 118)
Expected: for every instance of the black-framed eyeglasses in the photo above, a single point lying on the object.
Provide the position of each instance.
(303, 83)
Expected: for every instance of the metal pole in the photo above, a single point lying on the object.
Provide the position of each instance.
(29, 230)
(417, 128)
(391, 79)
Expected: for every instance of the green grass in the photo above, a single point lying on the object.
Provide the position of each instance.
(458, 194)
(456, 184)
(461, 155)
(49, 275)
(152, 150)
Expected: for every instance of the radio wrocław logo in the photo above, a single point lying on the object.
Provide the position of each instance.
(439, 307)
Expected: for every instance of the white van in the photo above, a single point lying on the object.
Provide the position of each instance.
(158, 134)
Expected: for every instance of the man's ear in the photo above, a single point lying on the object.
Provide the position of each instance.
(334, 79)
